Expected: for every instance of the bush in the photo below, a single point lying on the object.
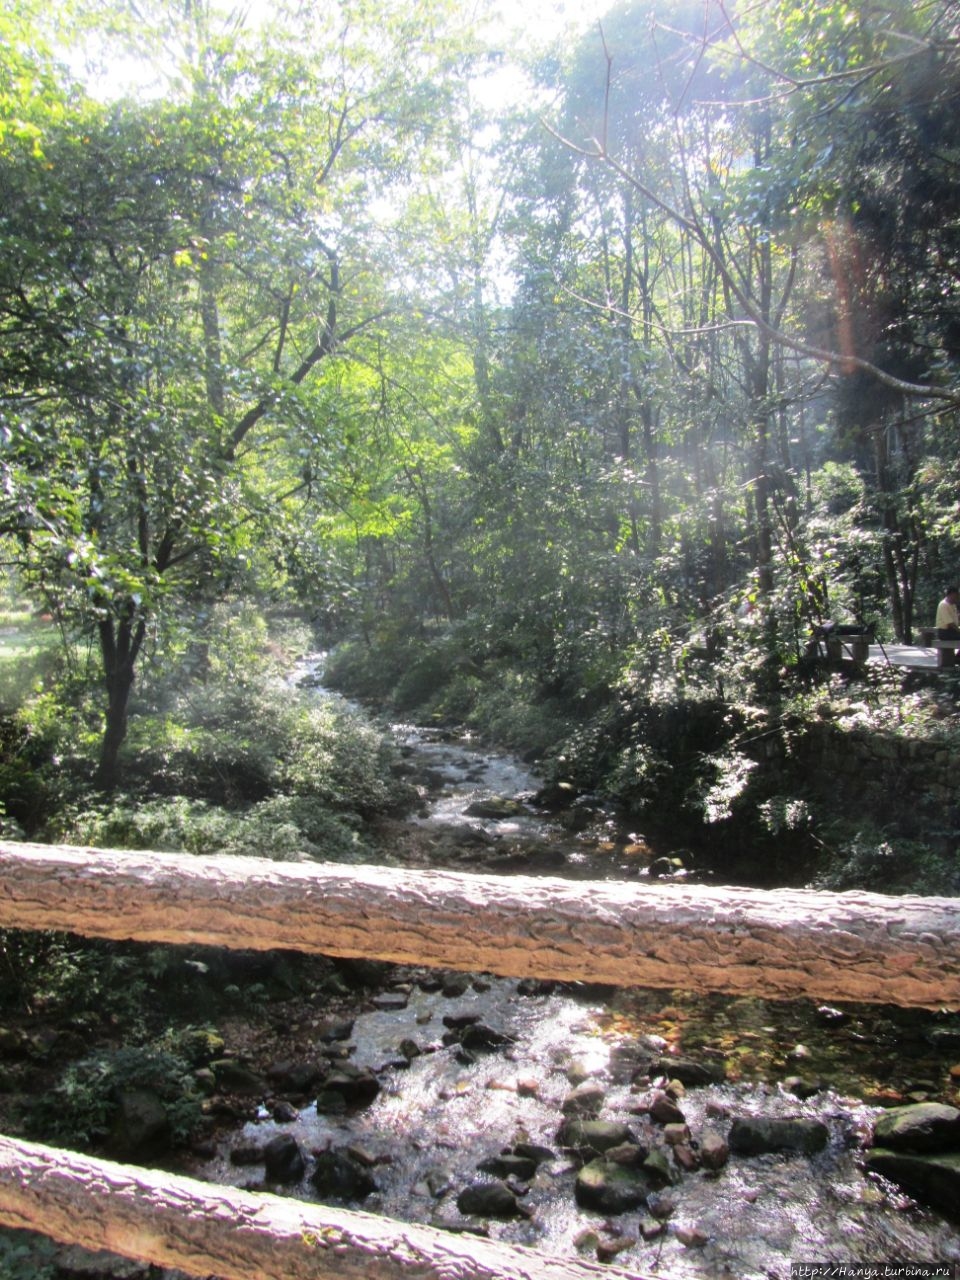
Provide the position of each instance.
(80, 1109)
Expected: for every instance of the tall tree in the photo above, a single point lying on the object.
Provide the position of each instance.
(179, 276)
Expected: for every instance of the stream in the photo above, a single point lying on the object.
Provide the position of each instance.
(440, 1111)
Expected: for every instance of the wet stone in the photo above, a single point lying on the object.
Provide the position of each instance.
(533, 1151)
(488, 1200)
(758, 1135)
(665, 1111)
(355, 1085)
(390, 1001)
(607, 1250)
(714, 1152)
(922, 1127)
(608, 1187)
(593, 1137)
(339, 1176)
(801, 1088)
(690, 1073)
(233, 1077)
(283, 1160)
(294, 1077)
(508, 1165)
(932, 1178)
(585, 1101)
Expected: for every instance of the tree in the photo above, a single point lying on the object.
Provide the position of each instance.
(178, 277)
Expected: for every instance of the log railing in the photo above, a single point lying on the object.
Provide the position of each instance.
(778, 945)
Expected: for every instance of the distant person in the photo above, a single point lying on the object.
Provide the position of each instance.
(948, 622)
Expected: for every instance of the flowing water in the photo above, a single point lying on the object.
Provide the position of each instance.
(439, 1114)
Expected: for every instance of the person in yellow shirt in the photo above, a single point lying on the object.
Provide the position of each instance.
(948, 617)
(948, 622)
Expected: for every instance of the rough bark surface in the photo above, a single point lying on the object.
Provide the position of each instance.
(779, 945)
(234, 1235)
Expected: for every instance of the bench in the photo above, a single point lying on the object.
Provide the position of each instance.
(946, 649)
(840, 642)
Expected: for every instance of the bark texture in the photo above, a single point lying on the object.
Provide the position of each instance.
(779, 945)
(234, 1235)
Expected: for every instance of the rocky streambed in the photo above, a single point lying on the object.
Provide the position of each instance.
(563, 1119)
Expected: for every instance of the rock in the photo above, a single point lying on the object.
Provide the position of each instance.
(933, 1178)
(659, 1168)
(665, 1111)
(585, 1101)
(691, 1237)
(757, 1135)
(650, 1228)
(920, 1128)
(630, 1154)
(509, 1165)
(944, 1037)
(528, 1087)
(661, 1204)
(686, 1158)
(358, 1086)
(496, 808)
(409, 1049)
(607, 1187)
(454, 985)
(284, 1112)
(390, 1001)
(283, 1160)
(140, 1127)
(801, 1088)
(234, 1077)
(339, 1176)
(607, 1250)
(488, 1200)
(827, 1016)
(535, 987)
(460, 1021)
(693, 1074)
(577, 1072)
(676, 1134)
(294, 1077)
(593, 1137)
(714, 1152)
(533, 1151)
(481, 1038)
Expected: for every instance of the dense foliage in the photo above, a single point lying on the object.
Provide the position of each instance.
(568, 384)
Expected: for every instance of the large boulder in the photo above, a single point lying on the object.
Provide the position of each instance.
(921, 1127)
(932, 1178)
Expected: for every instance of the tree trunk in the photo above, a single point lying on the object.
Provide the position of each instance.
(779, 945)
(119, 645)
(204, 1230)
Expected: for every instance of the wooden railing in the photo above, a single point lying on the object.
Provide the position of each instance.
(779, 945)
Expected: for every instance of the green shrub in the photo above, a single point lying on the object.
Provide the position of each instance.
(80, 1109)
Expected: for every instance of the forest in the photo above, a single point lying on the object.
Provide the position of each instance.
(558, 389)
(555, 382)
